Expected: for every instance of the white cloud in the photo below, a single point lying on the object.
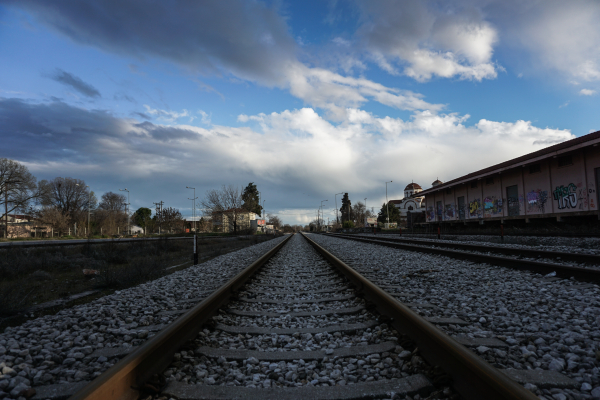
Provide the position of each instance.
(291, 151)
(205, 118)
(421, 40)
(556, 35)
(167, 115)
(587, 92)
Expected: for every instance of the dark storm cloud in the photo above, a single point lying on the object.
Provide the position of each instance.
(51, 131)
(74, 82)
(246, 38)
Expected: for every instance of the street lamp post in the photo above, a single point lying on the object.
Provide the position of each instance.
(89, 201)
(194, 217)
(337, 219)
(322, 211)
(194, 206)
(366, 209)
(128, 219)
(387, 208)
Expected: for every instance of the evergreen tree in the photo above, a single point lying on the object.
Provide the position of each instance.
(346, 208)
(250, 197)
(394, 213)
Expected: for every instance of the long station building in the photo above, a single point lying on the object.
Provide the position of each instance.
(556, 182)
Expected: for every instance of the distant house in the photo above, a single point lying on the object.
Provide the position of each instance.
(23, 226)
(228, 221)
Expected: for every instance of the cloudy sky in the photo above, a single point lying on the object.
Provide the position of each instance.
(305, 99)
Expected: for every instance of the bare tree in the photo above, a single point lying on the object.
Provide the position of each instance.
(360, 212)
(18, 189)
(111, 212)
(113, 202)
(274, 220)
(223, 206)
(69, 195)
(170, 218)
(54, 217)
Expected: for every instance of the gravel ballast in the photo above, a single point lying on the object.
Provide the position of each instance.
(79, 343)
(548, 323)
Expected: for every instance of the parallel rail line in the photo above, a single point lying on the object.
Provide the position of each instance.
(462, 252)
(472, 377)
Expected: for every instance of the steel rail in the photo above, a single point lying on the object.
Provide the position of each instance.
(577, 257)
(472, 377)
(562, 271)
(123, 380)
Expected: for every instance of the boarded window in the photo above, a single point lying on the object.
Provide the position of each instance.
(474, 185)
(533, 168)
(564, 161)
(489, 181)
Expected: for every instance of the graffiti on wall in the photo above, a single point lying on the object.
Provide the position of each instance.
(475, 209)
(582, 197)
(492, 206)
(536, 201)
(566, 196)
(430, 214)
(449, 211)
(591, 194)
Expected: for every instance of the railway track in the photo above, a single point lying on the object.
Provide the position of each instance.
(299, 323)
(517, 258)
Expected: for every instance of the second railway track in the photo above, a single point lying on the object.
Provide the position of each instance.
(299, 329)
(517, 258)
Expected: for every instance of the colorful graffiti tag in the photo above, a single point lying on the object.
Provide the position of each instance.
(536, 201)
(449, 211)
(566, 196)
(492, 206)
(430, 214)
(475, 210)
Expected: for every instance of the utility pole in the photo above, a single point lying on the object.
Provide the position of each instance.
(128, 217)
(159, 213)
(322, 209)
(387, 209)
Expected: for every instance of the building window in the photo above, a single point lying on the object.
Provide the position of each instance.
(474, 185)
(489, 181)
(410, 208)
(533, 168)
(564, 161)
(448, 191)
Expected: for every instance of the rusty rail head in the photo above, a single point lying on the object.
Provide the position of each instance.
(121, 381)
(472, 377)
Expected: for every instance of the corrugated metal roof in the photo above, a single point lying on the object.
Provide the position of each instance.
(547, 152)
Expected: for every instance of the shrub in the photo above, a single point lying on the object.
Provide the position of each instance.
(348, 224)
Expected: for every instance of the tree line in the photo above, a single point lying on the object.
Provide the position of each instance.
(64, 203)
